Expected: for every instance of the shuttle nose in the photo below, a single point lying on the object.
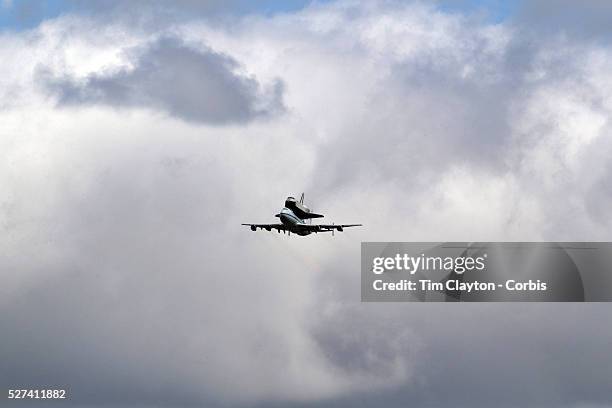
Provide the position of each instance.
(277, 215)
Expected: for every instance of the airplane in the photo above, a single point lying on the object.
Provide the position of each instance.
(292, 218)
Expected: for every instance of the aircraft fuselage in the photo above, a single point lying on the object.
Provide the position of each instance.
(292, 221)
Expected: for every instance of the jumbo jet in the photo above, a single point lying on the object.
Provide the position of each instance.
(292, 218)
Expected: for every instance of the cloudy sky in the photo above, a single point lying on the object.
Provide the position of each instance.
(135, 137)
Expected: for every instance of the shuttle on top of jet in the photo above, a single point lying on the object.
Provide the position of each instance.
(292, 218)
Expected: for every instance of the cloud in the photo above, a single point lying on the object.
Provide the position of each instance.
(127, 276)
(184, 7)
(587, 20)
(512, 354)
(197, 85)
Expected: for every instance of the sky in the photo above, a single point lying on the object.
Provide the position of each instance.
(25, 14)
(136, 137)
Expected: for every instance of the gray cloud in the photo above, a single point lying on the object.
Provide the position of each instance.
(122, 321)
(507, 355)
(197, 85)
(586, 19)
(186, 6)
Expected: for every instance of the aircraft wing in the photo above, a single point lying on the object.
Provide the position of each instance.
(311, 215)
(328, 227)
(267, 227)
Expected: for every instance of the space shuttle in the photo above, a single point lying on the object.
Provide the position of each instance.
(300, 209)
